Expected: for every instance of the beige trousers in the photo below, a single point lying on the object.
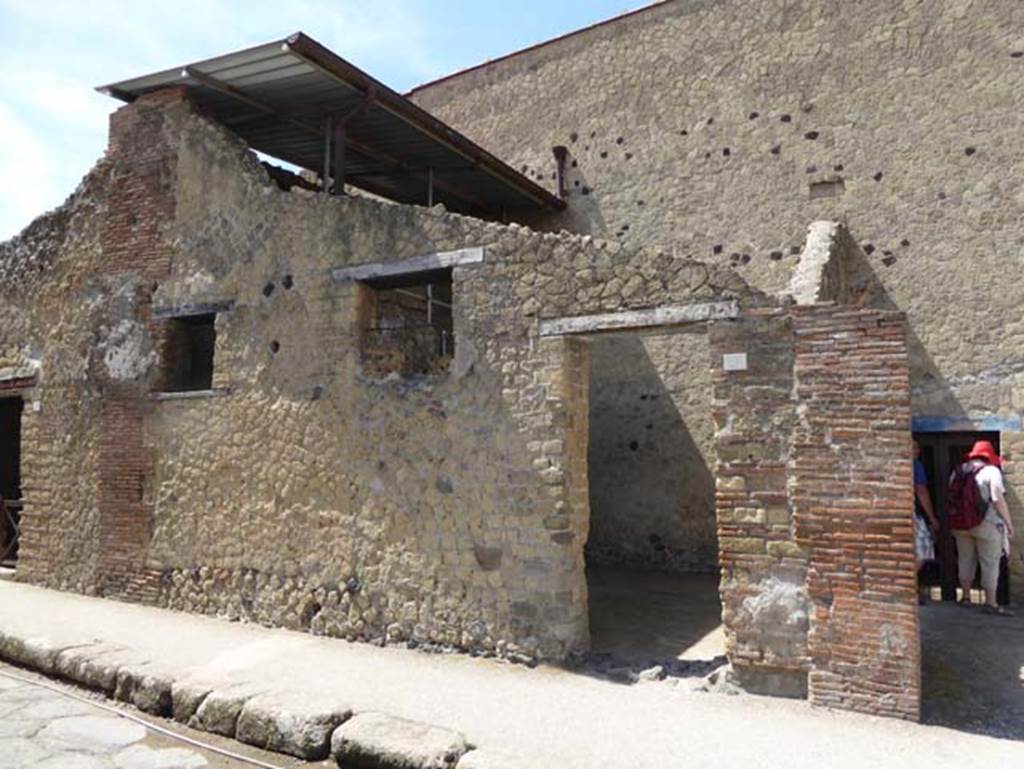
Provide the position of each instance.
(983, 543)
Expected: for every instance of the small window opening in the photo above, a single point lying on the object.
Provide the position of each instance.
(188, 353)
(409, 325)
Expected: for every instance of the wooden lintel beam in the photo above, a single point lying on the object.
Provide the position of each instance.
(671, 315)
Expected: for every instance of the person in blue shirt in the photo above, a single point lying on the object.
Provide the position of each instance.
(925, 522)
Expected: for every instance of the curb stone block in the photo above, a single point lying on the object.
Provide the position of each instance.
(219, 711)
(77, 664)
(378, 741)
(147, 689)
(186, 697)
(37, 653)
(152, 694)
(300, 728)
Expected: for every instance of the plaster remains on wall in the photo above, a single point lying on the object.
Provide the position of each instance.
(127, 352)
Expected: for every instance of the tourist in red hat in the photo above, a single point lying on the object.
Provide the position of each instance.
(990, 526)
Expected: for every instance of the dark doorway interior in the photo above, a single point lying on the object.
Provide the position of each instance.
(940, 454)
(10, 478)
(652, 570)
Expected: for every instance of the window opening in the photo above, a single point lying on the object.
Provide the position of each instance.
(188, 353)
(409, 327)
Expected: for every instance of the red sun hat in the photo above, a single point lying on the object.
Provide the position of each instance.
(984, 450)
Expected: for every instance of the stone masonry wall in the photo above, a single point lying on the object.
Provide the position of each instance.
(302, 491)
(50, 307)
(852, 496)
(765, 603)
(814, 506)
(438, 510)
(720, 129)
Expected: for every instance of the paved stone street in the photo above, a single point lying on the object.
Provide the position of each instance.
(42, 729)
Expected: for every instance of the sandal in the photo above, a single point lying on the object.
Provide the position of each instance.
(965, 602)
(999, 611)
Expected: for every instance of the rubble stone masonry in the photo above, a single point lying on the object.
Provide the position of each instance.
(309, 490)
(300, 490)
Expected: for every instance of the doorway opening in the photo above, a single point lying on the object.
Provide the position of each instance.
(971, 662)
(652, 551)
(941, 453)
(10, 480)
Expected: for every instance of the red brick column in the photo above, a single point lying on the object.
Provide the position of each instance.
(852, 496)
(136, 254)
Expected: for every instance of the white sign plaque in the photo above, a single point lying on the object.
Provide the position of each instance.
(734, 361)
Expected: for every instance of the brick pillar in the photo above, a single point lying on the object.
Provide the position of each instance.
(136, 254)
(852, 494)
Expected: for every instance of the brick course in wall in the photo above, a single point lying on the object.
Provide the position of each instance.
(141, 207)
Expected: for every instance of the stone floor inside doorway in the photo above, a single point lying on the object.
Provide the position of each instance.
(972, 667)
(642, 619)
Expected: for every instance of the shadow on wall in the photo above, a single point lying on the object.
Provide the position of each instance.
(930, 391)
(651, 489)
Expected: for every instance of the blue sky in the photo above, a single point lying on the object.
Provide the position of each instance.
(53, 52)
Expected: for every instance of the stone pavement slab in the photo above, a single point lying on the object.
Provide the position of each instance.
(545, 716)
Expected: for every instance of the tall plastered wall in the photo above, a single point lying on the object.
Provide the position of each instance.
(301, 490)
(720, 129)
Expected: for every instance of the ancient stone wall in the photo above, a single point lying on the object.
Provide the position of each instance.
(50, 303)
(652, 496)
(765, 604)
(302, 489)
(814, 506)
(720, 129)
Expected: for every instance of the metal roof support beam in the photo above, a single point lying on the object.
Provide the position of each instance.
(383, 157)
(331, 64)
(325, 176)
(229, 90)
(339, 159)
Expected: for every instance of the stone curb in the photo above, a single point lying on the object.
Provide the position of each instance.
(306, 727)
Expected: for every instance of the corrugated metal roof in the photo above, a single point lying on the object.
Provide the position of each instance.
(279, 96)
